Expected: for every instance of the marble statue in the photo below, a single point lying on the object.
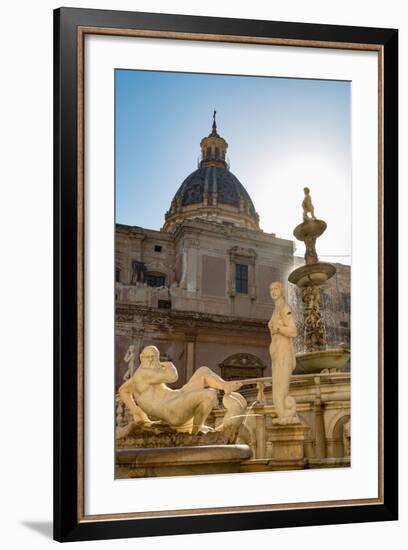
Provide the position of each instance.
(307, 206)
(314, 327)
(152, 402)
(130, 359)
(282, 328)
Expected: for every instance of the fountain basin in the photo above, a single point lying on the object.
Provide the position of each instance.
(179, 461)
(310, 362)
(312, 274)
(311, 228)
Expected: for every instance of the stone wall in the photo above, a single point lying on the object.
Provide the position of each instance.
(197, 264)
(197, 317)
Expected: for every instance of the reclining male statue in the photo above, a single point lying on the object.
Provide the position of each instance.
(149, 399)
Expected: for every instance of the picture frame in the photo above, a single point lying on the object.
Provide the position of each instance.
(71, 26)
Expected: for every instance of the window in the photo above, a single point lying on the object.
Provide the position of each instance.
(345, 298)
(138, 270)
(241, 278)
(157, 248)
(117, 275)
(154, 280)
(164, 304)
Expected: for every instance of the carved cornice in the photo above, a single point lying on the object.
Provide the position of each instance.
(193, 228)
(138, 232)
(186, 320)
(252, 235)
(238, 253)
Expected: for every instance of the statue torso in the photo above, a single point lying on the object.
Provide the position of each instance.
(151, 397)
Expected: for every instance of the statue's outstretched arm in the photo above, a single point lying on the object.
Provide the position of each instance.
(164, 373)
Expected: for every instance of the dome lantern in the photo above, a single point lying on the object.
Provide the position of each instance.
(213, 148)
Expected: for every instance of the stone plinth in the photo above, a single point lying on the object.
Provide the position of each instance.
(178, 461)
(287, 445)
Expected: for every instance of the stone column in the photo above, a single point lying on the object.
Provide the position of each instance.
(191, 256)
(137, 340)
(331, 447)
(251, 281)
(313, 323)
(190, 357)
(320, 436)
(260, 433)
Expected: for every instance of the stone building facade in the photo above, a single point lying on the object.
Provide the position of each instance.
(198, 287)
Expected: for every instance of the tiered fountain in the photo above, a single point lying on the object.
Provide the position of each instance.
(309, 278)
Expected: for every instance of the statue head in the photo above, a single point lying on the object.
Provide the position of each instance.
(149, 357)
(276, 290)
(306, 190)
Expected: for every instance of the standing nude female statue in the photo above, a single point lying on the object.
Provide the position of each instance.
(282, 327)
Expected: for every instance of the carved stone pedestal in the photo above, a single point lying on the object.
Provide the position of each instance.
(179, 461)
(287, 442)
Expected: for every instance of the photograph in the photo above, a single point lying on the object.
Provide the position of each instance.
(225, 236)
(231, 274)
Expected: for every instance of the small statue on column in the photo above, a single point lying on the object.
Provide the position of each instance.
(130, 359)
(307, 206)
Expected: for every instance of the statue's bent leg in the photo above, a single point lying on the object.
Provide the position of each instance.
(191, 404)
(206, 378)
(206, 401)
(126, 394)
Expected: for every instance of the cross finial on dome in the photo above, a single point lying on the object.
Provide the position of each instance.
(214, 125)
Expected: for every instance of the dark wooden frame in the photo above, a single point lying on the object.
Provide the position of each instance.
(69, 521)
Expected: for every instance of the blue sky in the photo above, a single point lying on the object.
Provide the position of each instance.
(283, 135)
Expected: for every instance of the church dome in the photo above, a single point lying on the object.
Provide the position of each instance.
(212, 192)
(213, 179)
